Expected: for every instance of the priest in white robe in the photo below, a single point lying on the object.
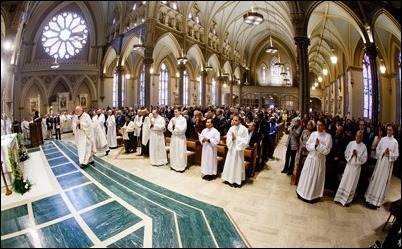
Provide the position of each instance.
(83, 136)
(312, 177)
(157, 151)
(209, 138)
(355, 155)
(137, 128)
(99, 136)
(102, 119)
(111, 130)
(63, 122)
(237, 140)
(387, 152)
(178, 142)
(145, 133)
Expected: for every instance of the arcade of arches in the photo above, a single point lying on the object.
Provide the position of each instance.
(142, 53)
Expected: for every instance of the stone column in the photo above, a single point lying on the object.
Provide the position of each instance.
(302, 43)
(372, 53)
(204, 74)
(147, 88)
(119, 71)
(181, 69)
(219, 90)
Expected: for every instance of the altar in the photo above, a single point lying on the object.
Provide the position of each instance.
(8, 142)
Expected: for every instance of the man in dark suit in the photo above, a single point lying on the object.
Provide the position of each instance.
(253, 136)
(49, 126)
(56, 125)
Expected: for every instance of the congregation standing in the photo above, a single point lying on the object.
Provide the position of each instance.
(319, 145)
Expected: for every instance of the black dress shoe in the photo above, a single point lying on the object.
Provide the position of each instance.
(91, 162)
(83, 165)
(107, 152)
(284, 171)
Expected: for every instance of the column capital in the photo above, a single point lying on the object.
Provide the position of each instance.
(148, 61)
(302, 41)
(371, 50)
(204, 73)
(181, 67)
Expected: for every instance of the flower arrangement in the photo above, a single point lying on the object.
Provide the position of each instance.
(22, 150)
(20, 185)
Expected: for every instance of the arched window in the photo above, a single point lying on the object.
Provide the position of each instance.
(186, 89)
(367, 87)
(199, 89)
(264, 76)
(116, 90)
(275, 73)
(141, 88)
(163, 84)
(213, 92)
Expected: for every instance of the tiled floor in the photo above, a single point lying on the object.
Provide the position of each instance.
(115, 204)
(104, 206)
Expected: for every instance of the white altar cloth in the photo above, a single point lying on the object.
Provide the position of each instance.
(8, 142)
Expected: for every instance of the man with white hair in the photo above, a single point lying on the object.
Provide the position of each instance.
(111, 130)
(83, 136)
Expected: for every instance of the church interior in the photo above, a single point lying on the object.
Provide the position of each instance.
(336, 58)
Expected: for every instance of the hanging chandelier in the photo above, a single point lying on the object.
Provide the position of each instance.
(252, 17)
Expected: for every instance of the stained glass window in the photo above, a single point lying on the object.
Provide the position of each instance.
(163, 84)
(65, 35)
(275, 73)
(213, 92)
(264, 76)
(367, 87)
(186, 89)
(142, 87)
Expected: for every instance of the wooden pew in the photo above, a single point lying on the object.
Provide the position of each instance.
(250, 159)
(221, 155)
(191, 152)
(167, 145)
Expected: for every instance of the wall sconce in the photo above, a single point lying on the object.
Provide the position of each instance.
(382, 66)
(151, 70)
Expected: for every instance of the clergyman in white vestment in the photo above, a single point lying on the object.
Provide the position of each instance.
(387, 152)
(355, 155)
(209, 138)
(312, 177)
(236, 141)
(157, 150)
(83, 136)
(178, 142)
(111, 130)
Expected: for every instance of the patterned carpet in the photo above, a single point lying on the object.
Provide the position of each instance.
(104, 206)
